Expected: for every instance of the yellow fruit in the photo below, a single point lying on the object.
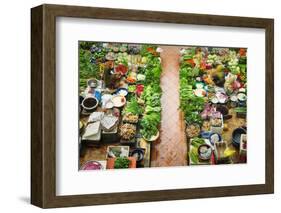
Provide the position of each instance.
(229, 152)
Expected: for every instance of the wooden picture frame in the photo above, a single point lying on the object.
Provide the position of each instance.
(43, 105)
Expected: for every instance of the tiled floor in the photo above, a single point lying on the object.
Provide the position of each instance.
(171, 148)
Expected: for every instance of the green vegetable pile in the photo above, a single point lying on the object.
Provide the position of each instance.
(153, 73)
(133, 107)
(131, 88)
(86, 68)
(193, 153)
(121, 163)
(190, 104)
(152, 118)
(196, 142)
(151, 94)
(149, 124)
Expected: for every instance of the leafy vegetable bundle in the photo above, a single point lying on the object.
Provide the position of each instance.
(133, 107)
(121, 163)
(86, 68)
(190, 104)
(149, 124)
(151, 94)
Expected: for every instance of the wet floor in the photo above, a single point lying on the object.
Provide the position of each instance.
(171, 148)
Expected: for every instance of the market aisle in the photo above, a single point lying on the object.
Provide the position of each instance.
(171, 148)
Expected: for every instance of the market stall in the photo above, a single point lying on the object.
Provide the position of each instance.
(120, 110)
(213, 96)
(123, 114)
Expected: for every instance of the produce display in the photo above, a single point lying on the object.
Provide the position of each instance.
(206, 126)
(213, 84)
(192, 130)
(216, 122)
(122, 99)
(133, 107)
(118, 80)
(130, 118)
(121, 163)
(127, 131)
